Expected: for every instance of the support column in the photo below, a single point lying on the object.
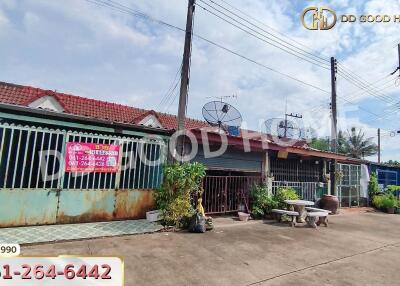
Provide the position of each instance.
(266, 172)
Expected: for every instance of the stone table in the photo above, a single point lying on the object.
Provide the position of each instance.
(299, 206)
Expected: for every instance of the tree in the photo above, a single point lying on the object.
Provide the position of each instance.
(373, 187)
(351, 143)
(356, 145)
(320, 144)
(341, 143)
(393, 162)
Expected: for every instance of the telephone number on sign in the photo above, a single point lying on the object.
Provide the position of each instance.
(61, 271)
(69, 271)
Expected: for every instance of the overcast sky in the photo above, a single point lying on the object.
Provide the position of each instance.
(77, 47)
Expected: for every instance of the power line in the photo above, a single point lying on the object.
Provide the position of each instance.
(355, 79)
(361, 86)
(272, 29)
(320, 59)
(270, 41)
(147, 17)
(379, 87)
(127, 10)
(171, 88)
(361, 83)
(172, 101)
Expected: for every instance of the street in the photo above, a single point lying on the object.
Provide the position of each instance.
(356, 249)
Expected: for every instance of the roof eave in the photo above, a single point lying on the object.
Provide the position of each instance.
(83, 119)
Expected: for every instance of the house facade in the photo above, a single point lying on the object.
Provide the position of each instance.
(386, 174)
(117, 157)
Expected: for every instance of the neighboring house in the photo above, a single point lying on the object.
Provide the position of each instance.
(34, 121)
(386, 174)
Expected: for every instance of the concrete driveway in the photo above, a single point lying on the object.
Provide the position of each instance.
(356, 249)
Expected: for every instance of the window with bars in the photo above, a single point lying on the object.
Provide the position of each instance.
(290, 170)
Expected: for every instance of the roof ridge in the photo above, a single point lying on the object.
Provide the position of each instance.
(42, 92)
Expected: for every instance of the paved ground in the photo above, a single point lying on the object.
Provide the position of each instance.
(356, 249)
(63, 232)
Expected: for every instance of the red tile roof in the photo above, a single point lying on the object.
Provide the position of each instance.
(97, 109)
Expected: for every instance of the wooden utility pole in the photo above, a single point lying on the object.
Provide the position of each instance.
(333, 124)
(183, 97)
(379, 145)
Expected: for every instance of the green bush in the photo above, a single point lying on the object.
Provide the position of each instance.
(285, 193)
(389, 202)
(261, 202)
(377, 201)
(385, 201)
(373, 187)
(173, 198)
(392, 188)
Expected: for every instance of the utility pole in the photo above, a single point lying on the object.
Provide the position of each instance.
(398, 68)
(379, 145)
(286, 121)
(398, 52)
(333, 124)
(183, 96)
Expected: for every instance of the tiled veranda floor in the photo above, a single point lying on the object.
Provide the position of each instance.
(53, 233)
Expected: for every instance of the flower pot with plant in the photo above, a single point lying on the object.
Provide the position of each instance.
(389, 203)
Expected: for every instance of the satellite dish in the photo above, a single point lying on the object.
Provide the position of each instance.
(222, 114)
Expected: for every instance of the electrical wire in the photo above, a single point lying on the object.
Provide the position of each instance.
(277, 39)
(171, 88)
(263, 37)
(322, 56)
(124, 9)
(149, 18)
(364, 84)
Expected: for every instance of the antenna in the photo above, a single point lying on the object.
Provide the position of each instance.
(223, 97)
(223, 115)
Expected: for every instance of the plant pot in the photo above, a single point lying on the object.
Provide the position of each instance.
(330, 203)
(243, 216)
(153, 216)
(390, 210)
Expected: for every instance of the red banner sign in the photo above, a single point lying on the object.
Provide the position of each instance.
(91, 157)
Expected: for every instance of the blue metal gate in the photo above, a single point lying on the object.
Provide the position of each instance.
(35, 189)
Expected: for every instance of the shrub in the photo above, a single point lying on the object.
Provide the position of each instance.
(285, 193)
(180, 183)
(389, 201)
(392, 188)
(385, 201)
(261, 202)
(377, 201)
(373, 187)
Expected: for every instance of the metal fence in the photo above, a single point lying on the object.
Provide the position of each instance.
(310, 191)
(224, 194)
(36, 189)
(33, 158)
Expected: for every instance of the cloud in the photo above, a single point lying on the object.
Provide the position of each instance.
(89, 50)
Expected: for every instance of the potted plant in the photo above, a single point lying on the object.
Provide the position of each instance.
(261, 202)
(389, 203)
